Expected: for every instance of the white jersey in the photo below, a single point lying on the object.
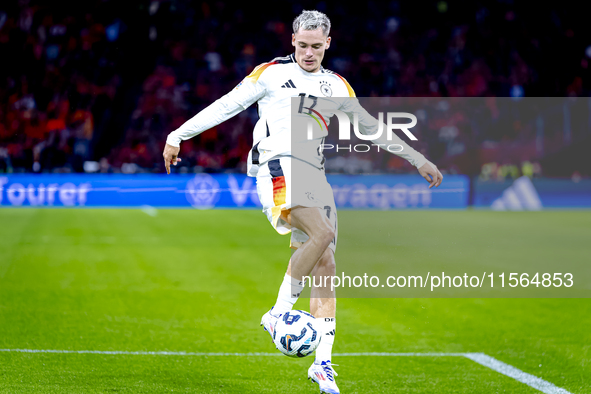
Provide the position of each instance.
(273, 85)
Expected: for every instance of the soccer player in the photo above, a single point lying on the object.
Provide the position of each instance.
(307, 211)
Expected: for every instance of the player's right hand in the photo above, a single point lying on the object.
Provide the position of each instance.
(171, 156)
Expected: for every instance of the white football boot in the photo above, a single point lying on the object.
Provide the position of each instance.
(324, 374)
(268, 322)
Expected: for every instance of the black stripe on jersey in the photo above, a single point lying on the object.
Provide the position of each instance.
(255, 149)
(255, 153)
(275, 168)
(284, 59)
(291, 83)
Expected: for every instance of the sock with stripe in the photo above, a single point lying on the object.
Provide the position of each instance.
(327, 326)
(289, 292)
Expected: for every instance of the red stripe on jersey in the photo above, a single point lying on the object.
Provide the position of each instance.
(279, 190)
(349, 88)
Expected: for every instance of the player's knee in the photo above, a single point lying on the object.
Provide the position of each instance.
(327, 235)
(327, 263)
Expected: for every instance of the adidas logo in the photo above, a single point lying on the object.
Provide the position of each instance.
(288, 84)
(521, 196)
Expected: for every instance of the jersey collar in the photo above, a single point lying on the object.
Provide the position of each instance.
(292, 57)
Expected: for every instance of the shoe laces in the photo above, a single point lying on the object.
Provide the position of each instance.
(276, 316)
(329, 370)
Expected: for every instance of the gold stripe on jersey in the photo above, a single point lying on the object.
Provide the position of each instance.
(256, 73)
(349, 88)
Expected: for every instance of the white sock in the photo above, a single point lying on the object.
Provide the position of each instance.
(289, 293)
(324, 350)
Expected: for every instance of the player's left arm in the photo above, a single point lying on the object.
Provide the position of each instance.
(369, 125)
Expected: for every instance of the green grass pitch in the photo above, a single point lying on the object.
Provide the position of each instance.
(199, 281)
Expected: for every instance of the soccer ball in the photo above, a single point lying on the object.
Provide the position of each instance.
(296, 334)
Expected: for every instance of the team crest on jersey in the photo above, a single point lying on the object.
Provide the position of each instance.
(325, 89)
(311, 197)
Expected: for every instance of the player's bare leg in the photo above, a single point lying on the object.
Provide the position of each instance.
(323, 303)
(323, 307)
(323, 298)
(316, 259)
(315, 224)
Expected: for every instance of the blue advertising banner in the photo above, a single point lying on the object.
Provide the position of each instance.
(398, 192)
(524, 194)
(110, 190)
(206, 191)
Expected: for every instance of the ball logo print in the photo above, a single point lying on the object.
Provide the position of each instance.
(289, 319)
(295, 334)
(287, 341)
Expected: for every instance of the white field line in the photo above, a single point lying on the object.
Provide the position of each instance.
(144, 353)
(480, 358)
(121, 352)
(517, 374)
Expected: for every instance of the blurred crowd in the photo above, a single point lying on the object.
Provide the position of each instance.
(97, 86)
